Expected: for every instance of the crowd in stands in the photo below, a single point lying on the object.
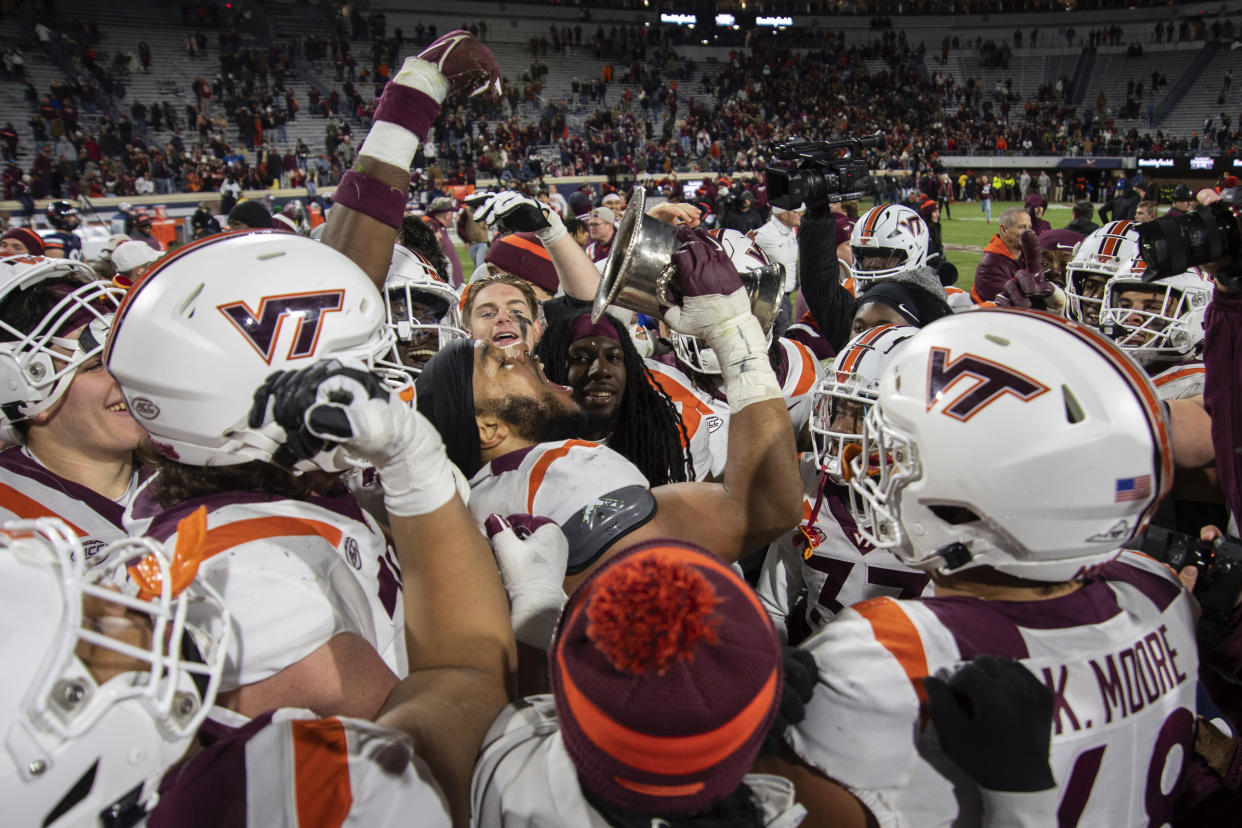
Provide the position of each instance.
(670, 114)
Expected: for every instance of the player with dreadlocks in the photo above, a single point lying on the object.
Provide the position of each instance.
(417, 236)
(626, 408)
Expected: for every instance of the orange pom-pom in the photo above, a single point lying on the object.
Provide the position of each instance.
(649, 612)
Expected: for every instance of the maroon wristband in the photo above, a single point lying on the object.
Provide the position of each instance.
(371, 197)
(407, 107)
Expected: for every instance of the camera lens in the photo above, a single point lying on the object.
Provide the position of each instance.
(1174, 244)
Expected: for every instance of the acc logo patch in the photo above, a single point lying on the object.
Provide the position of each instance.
(144, 408)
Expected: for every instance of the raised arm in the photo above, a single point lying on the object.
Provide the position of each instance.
(577, 273)
(369, 203)
(461, 662)
(830, 303)
(760, 495)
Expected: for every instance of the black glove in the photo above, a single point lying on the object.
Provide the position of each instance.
(800, 677)
(291, 394)
(995, 720)
(518, 212)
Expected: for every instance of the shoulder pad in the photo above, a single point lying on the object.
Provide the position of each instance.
(594, 527)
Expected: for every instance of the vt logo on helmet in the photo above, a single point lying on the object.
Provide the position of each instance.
(303, 310)
(991, 379)
(887, 240)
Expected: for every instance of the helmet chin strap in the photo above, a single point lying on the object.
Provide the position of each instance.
(955, 556)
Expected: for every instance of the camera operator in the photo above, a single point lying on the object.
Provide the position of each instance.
(823, 180)
(742, 215)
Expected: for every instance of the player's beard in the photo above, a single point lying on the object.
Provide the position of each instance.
(544, 419)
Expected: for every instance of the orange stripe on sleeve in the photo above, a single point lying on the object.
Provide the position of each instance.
(29, 508)
(321, 773)
(541, 468)
(1176, 375)
(693, 409)
(894, 630)
(806, 371)
(225, 537)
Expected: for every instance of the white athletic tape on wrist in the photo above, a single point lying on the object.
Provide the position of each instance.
(423, 76)
(742, 349)
(391, 144)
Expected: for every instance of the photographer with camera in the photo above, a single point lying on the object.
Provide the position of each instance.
(911, 296)
(828, 173)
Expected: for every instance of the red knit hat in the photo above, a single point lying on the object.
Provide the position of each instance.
(667, 675)
(523, 255)
(29, 238)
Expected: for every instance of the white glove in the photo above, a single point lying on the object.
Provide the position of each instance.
(723, 319)
(701, 315)
(333, 403)
(532, 568)
(522, 213)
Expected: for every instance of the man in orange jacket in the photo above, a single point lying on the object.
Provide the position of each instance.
(1000, 257)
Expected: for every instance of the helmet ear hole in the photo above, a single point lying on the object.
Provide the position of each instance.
(1073, 409)
(954, 514)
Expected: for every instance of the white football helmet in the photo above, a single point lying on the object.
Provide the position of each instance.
(1098, 257)
(84, 742)
(1158, 322)
(422, 310)
(207, 325)
(885, 241)
(747, 258)
(37, 359)
(1010, 439)
(842, 399)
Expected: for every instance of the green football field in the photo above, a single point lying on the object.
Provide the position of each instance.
(964, 233)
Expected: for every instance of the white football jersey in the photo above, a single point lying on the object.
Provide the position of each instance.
(289, 768)
(294, 574)
(29, 490)
(525, 778)
(552, 480)
(701, 419)
(826, 566)
(802, 372)
(1119, 654)
(1181, 381)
